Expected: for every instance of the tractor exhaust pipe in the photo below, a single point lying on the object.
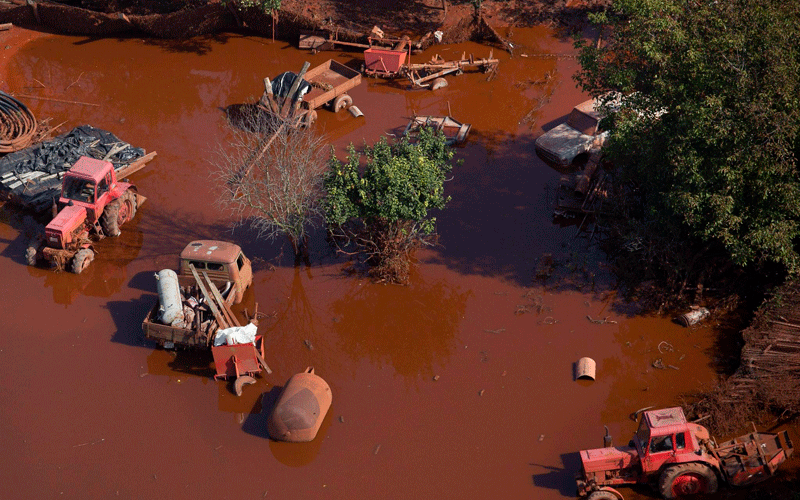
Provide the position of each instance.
(607, 439)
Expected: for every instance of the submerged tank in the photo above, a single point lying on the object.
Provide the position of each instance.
(302, 406)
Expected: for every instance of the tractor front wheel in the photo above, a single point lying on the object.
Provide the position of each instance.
(118, 212)
(82, 259)
(31, 255)
(32, 252)
(687, 479)
(602, 495)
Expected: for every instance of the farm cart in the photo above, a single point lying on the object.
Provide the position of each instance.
(295, 98)
(93, 204)
(679, 458)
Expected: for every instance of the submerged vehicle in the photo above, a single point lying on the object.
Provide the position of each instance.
(576, 136)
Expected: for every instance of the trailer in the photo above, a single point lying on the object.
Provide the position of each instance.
(421, 75)
(309, 90)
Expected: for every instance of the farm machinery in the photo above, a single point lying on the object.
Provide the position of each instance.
(680, 458)
(93, 204)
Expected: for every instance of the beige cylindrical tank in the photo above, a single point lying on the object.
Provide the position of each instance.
(169, 296)
(302, 406)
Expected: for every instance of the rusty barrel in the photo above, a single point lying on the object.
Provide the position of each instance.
(302, 406)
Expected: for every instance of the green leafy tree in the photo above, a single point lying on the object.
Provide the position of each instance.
(270, 6)
(382, 209)
(707, 138)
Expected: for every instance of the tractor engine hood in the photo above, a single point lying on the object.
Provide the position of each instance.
(603, 459)
(59, 231)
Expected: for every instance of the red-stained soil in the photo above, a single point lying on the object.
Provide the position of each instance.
(459, 385)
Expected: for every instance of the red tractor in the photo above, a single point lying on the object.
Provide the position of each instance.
(93, 204)
(680, 458)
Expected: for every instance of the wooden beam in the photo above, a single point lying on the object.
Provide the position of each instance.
(226, 310)
(135, 166)
(289, 99)
(217, 315)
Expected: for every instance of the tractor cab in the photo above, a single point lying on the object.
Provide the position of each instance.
(664, 436)
(89, 184)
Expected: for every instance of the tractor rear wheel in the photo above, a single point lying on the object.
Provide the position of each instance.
(687, 479)
(602, 495)
(118, 212)
(82, 259)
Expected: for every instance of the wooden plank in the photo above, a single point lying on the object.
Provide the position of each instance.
(217, 315)
(289, 99)
(135, 166)
(226, 311)
(261, 360)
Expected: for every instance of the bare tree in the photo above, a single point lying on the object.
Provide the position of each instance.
(270, 175)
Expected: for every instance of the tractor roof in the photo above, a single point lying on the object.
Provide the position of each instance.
(90, 168)
(666, 421)
(211, 251)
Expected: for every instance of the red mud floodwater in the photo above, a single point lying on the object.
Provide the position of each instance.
(457, 386)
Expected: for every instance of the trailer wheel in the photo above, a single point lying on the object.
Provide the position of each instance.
(309, 118)
(439, 83)
(602, 495)
(82, 259)
(342, 102)
(118, 212)
(687, 479)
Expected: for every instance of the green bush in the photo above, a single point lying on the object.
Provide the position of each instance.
(383, 209)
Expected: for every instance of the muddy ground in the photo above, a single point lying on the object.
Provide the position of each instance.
(349, 19)
(459, 385)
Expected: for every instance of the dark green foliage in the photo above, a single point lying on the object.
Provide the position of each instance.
(719, 166)
(268, 6)
(383, 209)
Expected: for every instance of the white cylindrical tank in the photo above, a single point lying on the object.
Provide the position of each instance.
(169, 296)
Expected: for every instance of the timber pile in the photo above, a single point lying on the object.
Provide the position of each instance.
(221, 311)
(770, 360)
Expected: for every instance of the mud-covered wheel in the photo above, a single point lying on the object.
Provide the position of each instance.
(687, 479)
(31, 254)
(439, 83)
(342, 102)
(602, 495)
(309, 118)
(118, 212)
(82, 259)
